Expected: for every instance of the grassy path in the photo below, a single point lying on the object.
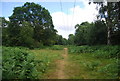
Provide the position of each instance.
(59, 71)
(56, 63)
(60, 65)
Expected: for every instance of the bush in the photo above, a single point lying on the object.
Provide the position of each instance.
(56, 47)
(97, 51)
(110, 69)
(82, 49)
(18, 64)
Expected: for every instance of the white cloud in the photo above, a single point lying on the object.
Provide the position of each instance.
(65, 23)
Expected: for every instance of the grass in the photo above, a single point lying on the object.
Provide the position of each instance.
(95, 62)
(84, 66)
(44, 60)
(83, 62)
(48, 57)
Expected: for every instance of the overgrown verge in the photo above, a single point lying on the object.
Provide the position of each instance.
(45, 59)
(23, 63)
(97, 51)
(18, 64)
(56, 47)
(100, 60)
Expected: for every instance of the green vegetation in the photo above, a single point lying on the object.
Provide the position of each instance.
(84, 67)
(46, 60)
(95, 62)
(18, 64)
(56, 47)
(84, 62)
(60, 40)
(31, 45)
(97, 51)
(22, 63)
(29, 26)
(112, 20)
(38, 21)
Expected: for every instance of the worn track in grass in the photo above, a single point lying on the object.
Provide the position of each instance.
(59, 71)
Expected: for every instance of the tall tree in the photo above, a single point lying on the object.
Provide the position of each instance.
(94, 33)
(4, 31)
(38, 17)
(81, 33)
(97, 33)
(110, 12)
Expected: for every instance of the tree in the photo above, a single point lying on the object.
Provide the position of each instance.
(38, 17)
(109, 11)
(97, 33)
(94, 33)
(65, 41)
(71, 39)
(5, 32)
(60, 40)
(4, 23)
(26, 35)
(81, 33)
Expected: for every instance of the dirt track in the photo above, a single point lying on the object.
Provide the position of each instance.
(60, 67)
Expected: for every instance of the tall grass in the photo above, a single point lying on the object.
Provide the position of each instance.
(103, 60)
(45, 59)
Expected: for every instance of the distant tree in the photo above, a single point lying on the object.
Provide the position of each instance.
(91, 33)
(71, 39)
(60, 40)
(81, 33)
(65, 41)
(97, 33)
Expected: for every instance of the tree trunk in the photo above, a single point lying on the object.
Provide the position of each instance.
(109, 23)
(109, 36)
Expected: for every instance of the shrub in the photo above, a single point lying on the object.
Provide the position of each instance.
(56, 47)
(97, 51)
(18, 64)
(110, 69)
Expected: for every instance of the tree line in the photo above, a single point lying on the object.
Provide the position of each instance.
(105, 30)
(31, 26)
(89, 34)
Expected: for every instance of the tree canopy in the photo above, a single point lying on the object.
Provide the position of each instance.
(110, 12)
(31, 23)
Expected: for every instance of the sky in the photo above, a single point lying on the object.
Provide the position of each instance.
(73, 12)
